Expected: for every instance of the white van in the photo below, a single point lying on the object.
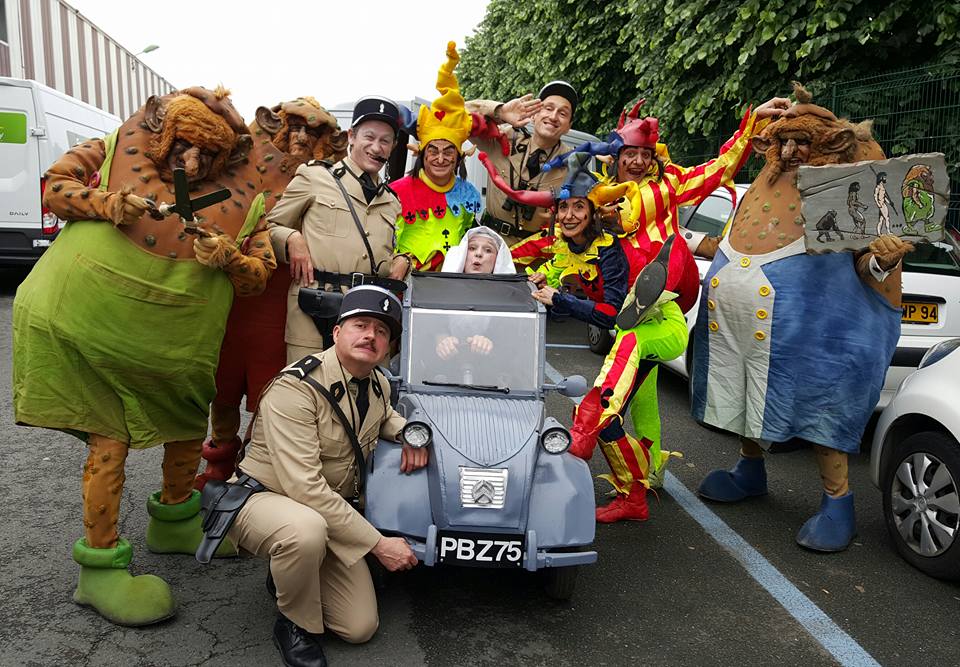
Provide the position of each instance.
(37, 126)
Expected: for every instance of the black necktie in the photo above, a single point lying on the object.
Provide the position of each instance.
(533, 162)
(363, 399)
(369, 187)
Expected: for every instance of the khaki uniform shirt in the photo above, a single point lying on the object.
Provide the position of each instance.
(513, 168)
(300, 449)
(313, 205)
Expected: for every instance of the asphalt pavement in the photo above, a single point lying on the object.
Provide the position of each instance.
(695, 585)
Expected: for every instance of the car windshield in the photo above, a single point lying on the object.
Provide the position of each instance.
(941, 258)
(483, 349)
(710, 216)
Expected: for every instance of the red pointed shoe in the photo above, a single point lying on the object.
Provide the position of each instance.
(630, 507)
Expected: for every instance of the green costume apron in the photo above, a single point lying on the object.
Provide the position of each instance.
(111, 339)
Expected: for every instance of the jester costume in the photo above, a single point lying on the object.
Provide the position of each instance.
(628, 377)
(117, 329)
(434, 217)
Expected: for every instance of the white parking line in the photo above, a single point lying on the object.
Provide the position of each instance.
(569, 346)
(821, 627)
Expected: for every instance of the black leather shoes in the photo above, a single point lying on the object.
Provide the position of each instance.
(298, 648)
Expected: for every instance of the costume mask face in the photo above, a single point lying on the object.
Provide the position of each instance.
(301, 138)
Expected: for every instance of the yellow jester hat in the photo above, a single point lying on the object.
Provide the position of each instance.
(446, 118)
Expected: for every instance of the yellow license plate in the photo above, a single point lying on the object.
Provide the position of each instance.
(919, 313)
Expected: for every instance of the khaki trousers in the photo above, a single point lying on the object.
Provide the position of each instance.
(315, 589)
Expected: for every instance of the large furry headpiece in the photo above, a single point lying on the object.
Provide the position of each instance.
(204, 118)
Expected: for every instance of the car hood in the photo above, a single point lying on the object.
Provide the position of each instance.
(484, 430)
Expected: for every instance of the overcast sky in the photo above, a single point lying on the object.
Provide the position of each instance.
(270, 51)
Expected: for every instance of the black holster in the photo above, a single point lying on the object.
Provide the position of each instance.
(220, 503)
(322, 306)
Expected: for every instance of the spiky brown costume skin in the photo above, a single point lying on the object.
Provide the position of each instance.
(139, 166)
(770, 217)
(72, 184)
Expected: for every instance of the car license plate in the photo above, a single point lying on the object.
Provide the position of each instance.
(480, 550)
(915, 312)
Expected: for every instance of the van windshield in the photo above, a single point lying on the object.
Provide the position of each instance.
(465, 347)
(940, 258)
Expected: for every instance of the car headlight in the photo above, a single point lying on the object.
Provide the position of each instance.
(417, 434)
(555, 440)
(939, 351)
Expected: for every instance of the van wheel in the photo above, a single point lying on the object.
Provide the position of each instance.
(560, 582)
(921, 502)
(600, 340)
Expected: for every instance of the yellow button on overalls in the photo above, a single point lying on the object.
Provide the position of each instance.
(714, 326)
(714, 281)
(744, 262)
(764, 290)
(761, 314)
(711, 304)
(759, 335)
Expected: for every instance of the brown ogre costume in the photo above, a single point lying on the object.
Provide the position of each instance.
(253, 348)
(790, 345)
(118, 327)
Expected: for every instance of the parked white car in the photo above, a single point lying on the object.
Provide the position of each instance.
(915, 462)
(931, 292)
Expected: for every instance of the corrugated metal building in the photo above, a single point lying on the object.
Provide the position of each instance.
(51, 42)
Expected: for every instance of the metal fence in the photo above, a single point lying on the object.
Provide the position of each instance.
(913, 111)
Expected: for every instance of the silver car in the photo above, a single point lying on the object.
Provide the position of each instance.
(500, 489)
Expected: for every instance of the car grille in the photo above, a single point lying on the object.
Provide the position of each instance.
(484, 488)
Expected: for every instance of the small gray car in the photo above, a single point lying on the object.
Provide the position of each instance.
(500, 489)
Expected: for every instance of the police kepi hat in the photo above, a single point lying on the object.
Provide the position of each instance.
(564, 90)
(372, 301)
(375, 107)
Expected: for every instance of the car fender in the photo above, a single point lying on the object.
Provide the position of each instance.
(926, 396)
(562, 506)
(396, 502)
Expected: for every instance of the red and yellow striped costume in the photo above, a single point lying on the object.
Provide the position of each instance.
(628, 376)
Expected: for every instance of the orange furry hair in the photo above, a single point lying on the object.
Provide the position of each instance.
(190, 119)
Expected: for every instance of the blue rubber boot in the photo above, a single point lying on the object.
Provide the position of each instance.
(746, 479)
(832, 528)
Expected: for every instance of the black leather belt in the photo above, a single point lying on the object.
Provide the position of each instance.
(354, 279)
(502, 226)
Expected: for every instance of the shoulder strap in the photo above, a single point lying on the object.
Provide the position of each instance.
(301, 371)
(356, 221)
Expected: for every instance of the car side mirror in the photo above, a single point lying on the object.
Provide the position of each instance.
(574, 386)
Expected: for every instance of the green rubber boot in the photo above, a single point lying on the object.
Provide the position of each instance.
(176, 529)
(107, 586)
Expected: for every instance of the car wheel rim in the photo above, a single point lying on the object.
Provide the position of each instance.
(593, 335)
(925, 504)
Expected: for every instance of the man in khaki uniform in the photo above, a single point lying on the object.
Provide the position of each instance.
(315, 540)
(552, 116)
(313, 228)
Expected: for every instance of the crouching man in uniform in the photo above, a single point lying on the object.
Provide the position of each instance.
(304, 520)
